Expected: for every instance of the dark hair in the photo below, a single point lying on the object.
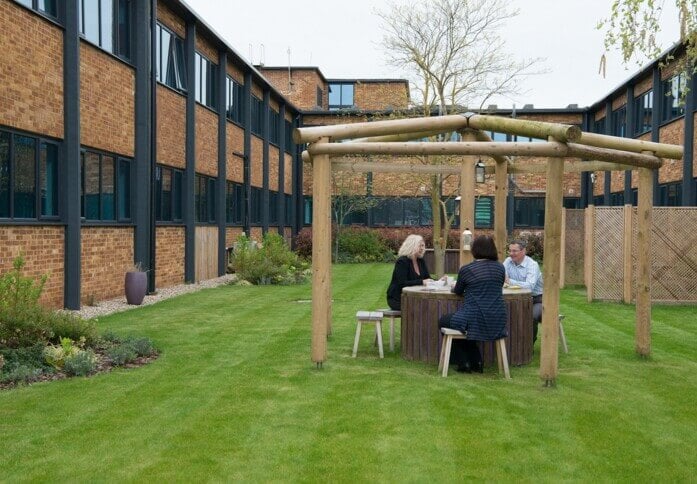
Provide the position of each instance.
(484, 247)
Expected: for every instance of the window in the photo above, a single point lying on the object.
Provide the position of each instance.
(273, 207)
(168, 194)
(256, 203)
(599, 126)
(288, 209)
(171, 65)
(320, 100)
(206, 90)
(234, 93)
(618, 119)
(572, 202)
(483, 212)
(307, 210)
(340, 96)
(204, 199)
(529, 212)
(257, 115)
(617, 199)
(498, 136)
(106, 23)
(274, 119)
(670, 195)
(49, 7)
(28, 177)
(643, 110)
(234, 201)
(288, 133)
(105, 187)
(672, 89)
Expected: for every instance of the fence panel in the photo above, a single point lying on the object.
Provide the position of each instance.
(573, 246)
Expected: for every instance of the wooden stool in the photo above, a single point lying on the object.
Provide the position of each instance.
(562, 338)
(450, 334)
(368, 317)
(392, 314)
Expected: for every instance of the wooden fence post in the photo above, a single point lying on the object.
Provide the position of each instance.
(467, 193)
(627, 255)
(643, 277)
(562, 250)
(501, 194)
(550, 297)
(321, 256)
(589, 251)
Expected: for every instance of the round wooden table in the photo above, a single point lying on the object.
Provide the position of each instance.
(421, 337)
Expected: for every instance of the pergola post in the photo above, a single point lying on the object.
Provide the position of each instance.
(552, 250)
(643, 277)
(321, 255)
(467, 193)
(500, 197)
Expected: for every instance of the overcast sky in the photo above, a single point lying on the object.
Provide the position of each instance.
(342, 38)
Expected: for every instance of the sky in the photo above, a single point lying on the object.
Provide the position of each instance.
(343, 39)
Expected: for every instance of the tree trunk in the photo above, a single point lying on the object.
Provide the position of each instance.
(438, 245)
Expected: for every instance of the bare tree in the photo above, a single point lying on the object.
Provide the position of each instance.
(456, 57)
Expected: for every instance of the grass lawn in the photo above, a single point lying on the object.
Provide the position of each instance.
(234, 396)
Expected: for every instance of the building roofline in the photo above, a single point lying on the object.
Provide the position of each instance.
(262, 67)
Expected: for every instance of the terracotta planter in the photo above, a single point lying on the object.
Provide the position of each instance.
(136, 286)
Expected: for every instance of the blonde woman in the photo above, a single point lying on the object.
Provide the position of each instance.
(409, 269)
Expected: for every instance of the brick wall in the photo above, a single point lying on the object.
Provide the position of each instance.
(644, 85)
(235, 144)
(43, 250)
(169, 246)
(380, 95)
(205, 47)
(171, 127)
(303, 92)
(31, 71)
(107, 103)
(231, 234)
(107, 254)
(273, 168)
(256, 165)
(234, 71)
(619, 101)
(672, 133)
(256, 234)
(206, 141)
(169, 19)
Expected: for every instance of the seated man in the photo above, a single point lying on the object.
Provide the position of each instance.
(523, 271)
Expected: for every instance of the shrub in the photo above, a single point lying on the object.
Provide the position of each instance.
(56, 355)
(80, 363)
(67, 325)
(121, 354)
(303, 243)
(362, 245)
(142, 346)
(31, 356)
(271, 263)
(21, 374)
(535, 246)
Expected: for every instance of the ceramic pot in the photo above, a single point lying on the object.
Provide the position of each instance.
(136, 286)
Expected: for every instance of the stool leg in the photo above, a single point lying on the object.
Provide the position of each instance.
(392, 334)
(442, 354)
(504, 358)
(446, 357)
(358, 337)
(499, 357)
(563, 337)
(378, 331)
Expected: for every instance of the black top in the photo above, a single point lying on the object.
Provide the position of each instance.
(404, 275)
(483, 315)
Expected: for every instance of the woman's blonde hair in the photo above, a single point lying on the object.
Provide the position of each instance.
(410, 245)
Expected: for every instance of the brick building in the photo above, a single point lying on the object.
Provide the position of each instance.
(130, 132)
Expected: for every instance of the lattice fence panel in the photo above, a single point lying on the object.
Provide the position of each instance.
(673, 256)
(608, 270)
(573, 247)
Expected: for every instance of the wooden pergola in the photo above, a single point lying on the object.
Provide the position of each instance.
(607, 153)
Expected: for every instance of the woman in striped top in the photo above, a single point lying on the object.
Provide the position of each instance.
(483, 316)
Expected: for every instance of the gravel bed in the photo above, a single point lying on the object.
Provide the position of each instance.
(102, 308)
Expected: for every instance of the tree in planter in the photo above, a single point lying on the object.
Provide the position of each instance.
(456, 58)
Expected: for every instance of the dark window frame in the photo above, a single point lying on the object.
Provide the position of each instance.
(234, 94)
(207, 97)
(118, 161)
(342, 104)
(671, 90)
(176, 60)
(234, 201)
(176, 194)
(528, 212)
(118, 39)
(643, 113)
(618, 122)
(36, 7)
(257, 116)
(205, 213)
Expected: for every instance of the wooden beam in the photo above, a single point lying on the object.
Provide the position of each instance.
(662, 150)
(482, 136)
(627, 254)
(551, 268)
(321, 256)
(467, 194)
(441, 148)
(525, 127)
(645, 160)
(500, 197)
(438, 124)
(570, 166)
(643, 277)
(367, 166)
(397, 137)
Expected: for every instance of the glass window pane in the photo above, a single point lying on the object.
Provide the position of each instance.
(164, 52)
(211, 205)
(49, 7)
(124, 189)
(107, 23)
(177, 195)
(4, 174)
(166, 194)
(158, 193)
(179, 64)
(91, 171)
(347, 95)
(108, 202)
(334, 94)
(90, 20)
(26, 3)
(48, 173)
(124, 29)
(426, 212)
(25, 177)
